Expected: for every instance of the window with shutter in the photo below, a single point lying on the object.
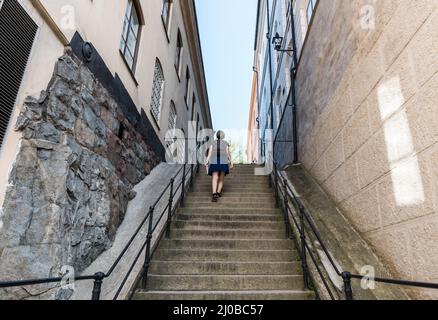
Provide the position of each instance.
(17, 34)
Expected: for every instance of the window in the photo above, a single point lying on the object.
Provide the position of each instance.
(287, 4)
(157, 91)
(17, 34)
(278, 99)
(179, 52)
(310, 8)
(172, 116)
(187, 87)
(130, 35)
(166, 12)
(193, 107)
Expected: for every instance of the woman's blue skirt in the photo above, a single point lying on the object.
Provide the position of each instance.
(218, 168)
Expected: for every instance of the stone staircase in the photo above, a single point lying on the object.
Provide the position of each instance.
(232, 250)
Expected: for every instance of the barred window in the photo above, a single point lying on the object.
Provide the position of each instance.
(130, 35)
(172, 116)
(165, 13)
(157, 91)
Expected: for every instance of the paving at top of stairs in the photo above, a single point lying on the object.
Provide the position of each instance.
(235, 249)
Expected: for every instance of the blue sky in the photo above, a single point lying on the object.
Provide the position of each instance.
(227, 29)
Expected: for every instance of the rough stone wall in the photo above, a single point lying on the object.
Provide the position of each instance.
(368, 119)
(72, 180)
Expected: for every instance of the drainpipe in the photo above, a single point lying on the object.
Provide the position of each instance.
(293, 77)
(256, 71)
(269, 36)
(50, 22)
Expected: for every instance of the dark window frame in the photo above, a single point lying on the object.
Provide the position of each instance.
(187, 91)
(166, 20)
(124, 47)
(179, 54)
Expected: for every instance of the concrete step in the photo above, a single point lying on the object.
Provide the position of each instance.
(228, 282)
(228, 225)
(225, 204)
(236, 194)
(255, 295)
(229, 198)
(233, 188)
(225, 268)
(235, 176)
(227, 234)
(226, 255)
(235, 179)
(243, 169)
(235, 173)
(230, 217)
(237, 244)
(225, 211)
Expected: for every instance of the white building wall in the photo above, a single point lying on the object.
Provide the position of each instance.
(100, 22)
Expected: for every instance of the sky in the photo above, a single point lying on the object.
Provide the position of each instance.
(227, 29)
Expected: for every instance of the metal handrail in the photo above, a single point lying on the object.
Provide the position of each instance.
(100, 276)
(282, 188)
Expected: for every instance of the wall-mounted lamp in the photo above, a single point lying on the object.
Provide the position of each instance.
(277, 41)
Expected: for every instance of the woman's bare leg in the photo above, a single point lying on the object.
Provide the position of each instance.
(214, 182)
(221, 182)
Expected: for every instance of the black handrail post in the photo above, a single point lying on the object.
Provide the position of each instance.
(97, 286)
(304, 264)
(148, 248)
(346, 276)
(286, 211)
(183, 189)
(169, 214)
(270, 179)
(277, 202)
(191, 175)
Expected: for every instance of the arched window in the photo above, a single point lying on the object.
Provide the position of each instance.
(179, 53)
(166, 13)
(172, 116)
(131, 34)
(187, 86)
(157, 91)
